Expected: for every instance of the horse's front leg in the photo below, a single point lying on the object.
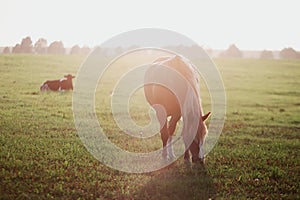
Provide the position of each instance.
(201, 152)
(172, 126)
(187, 150)
(187, 155)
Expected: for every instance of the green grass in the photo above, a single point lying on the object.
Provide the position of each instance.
(257, 155)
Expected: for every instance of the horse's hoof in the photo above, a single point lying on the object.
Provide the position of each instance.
(187, 163)
(202, 161)
(195, 159)
(187, 160)
(199, 161)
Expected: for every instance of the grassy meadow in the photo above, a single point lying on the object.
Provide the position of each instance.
(42, 157)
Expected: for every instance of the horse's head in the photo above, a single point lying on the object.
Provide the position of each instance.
(196, 146)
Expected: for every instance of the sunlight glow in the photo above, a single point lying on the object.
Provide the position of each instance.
(251, 25)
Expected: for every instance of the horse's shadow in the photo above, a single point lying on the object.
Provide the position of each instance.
(179, 181)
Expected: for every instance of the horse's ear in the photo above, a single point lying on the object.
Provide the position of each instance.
(204, 117)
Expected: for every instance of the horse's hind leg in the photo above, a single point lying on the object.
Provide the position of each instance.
(164, 137)
(164, 132)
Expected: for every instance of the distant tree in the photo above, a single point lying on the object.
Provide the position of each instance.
(198, 51)
(289, 53)
(40, 46)
(16, 48)
(85, 50)
(232, 52)
(6, 50)
(56, 47)
(265, 54)
(103, 50)
(26, 45)
(75, 50)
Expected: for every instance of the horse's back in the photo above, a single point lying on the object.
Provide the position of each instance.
(167, 80)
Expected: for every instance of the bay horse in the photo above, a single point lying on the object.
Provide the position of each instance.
(166, 85)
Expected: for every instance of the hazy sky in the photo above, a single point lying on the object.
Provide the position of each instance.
(250, 24)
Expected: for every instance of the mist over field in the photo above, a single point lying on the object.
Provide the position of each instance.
(42, 156)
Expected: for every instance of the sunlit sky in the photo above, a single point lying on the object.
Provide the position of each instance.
(250, 24)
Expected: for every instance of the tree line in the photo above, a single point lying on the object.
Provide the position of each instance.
(57, 47)
(41, 47)
(285, 53)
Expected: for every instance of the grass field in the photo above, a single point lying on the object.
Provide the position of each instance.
(256, 157)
